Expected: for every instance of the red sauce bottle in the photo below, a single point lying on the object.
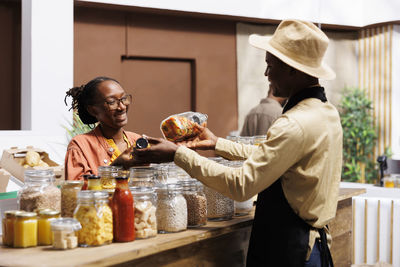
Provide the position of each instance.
(123, 211)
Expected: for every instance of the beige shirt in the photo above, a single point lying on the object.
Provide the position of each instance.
(303, 148)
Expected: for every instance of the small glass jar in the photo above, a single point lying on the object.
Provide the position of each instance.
(196, 202)
(8, 227)
(144, 176)
(171, 209)
(258, 139)
(39, 191)
(69, 196)
(45, 237)
(219, 207)
(95, 217)
(243, 207)
(94, 183)
(25, 230)
(145, 201)
(107, 176)
(64, 233)
(248, 140)
(389, 182)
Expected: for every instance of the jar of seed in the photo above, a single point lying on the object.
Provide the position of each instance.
(196, 201)
(219, 207)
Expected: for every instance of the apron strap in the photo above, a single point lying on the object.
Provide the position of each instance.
(326, 257)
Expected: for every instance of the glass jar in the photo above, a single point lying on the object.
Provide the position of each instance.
(8, 227)
(107, 176)
(94, 183)
(25, 230)
(258, 139)
(69, 196)
(143, 176)
(123, 211)
(171, 210)
(219, 207)
(145, 201)
(95, 217)
(39, 192)
(389, 182)
(64, 233)
(45, 237)
(248, 140)
(243, 207)
(196, 202)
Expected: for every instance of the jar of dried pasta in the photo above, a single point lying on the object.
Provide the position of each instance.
(95, 217)
(145, 201)
(69, 196)
(107, 176)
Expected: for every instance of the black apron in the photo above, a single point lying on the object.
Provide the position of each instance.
(279, 237)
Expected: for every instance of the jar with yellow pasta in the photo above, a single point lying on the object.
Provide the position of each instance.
(95, 217)
(107, 176)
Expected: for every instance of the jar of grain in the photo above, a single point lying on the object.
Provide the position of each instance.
(171, 209)
(107, 176)
(39, 191)
(143, 176)
(145, 201)
(64, 232)
(219, 207)
(196, 202)
(69, 196)
(95, 217)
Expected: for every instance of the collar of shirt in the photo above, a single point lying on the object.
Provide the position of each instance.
(311, 92)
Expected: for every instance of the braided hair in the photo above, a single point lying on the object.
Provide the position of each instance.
(83, 96)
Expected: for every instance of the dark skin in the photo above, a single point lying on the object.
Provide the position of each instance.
(285, 80)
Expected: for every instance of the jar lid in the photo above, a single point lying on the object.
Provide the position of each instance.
(108, 168)
(65, 224)
(141, 190)
(173, 187)
(73, 182)
(142, 142)
(49, 212)
(93, 177)
(99, 195)
(25, 214)
(11, 213)
(39, 175)
(142, 172)
(85, 194)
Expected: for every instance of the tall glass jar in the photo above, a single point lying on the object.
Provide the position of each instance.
(171, 209)
(145, 201)
(107, 176)
(95, 217)
(196, 202)
(69, 196)
(143, 176)
(8, 227)
(39, 191)
(45, 237)
(219, 207)
(25, 230)
(123, 211)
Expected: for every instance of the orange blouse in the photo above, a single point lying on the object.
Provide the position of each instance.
(86, 152)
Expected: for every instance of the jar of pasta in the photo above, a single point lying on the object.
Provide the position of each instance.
(25, 230)
(39, 191)
(145, 201)
(45, 237)
(64, 232)
(107, 176)
(171, 209)
(196, 202)
(95, 217)
(69, 196)
(219, 207)
(142, 176)
(8, 227)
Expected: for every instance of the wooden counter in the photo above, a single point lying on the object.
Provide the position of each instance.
(216, 244)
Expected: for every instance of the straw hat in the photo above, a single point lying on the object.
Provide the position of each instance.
(299, 44)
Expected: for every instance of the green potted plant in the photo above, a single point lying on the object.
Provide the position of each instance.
(77, 127)
(359, 137)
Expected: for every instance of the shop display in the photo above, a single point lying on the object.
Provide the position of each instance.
(107, 176)
(8, 227)
(219, 207)
(181, 126)
(64, 232)
(25, 230)
(145, 201)
(69, 196)
(196, 202)
(95, 217)
(45, 217)
(171, 209)
(39, 192)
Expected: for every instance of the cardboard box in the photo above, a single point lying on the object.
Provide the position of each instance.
(4, 178)
(13, 158)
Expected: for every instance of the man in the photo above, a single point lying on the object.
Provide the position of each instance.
(261, 117)
(296, 171)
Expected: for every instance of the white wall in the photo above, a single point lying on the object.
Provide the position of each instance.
(396, 93)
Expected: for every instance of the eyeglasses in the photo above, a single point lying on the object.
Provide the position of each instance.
(113, 103)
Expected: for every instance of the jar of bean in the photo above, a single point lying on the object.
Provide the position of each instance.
(196, 202)
(219, 207)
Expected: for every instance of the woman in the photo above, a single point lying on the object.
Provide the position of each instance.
(101, 100)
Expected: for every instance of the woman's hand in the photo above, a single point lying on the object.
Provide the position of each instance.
(160, 150)
(125, 159)
(205, 140)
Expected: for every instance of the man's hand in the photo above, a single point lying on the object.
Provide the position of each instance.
(205, 140)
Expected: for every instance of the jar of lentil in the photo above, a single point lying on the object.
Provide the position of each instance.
(145, 201)
(64, 233)
(196, 202)
(69, 196)
(95, 217)
(39, 191)
(8, 227)
(143, 176)
(25, 230)
(107, 176)
(171, 209)
(219, 207)
(45, 217)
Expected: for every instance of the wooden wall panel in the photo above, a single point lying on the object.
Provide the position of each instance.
(10, 58)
